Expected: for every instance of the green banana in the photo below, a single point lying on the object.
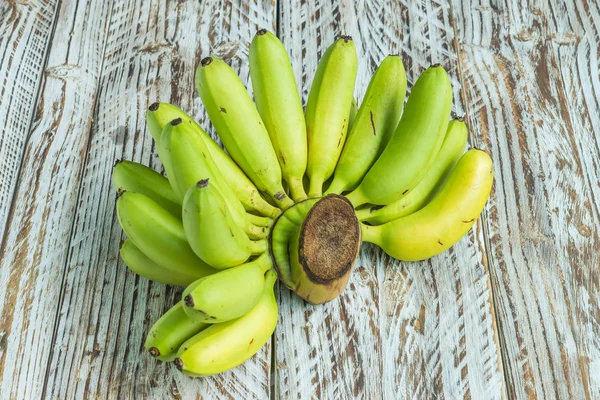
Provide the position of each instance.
(452, 148)
(134, 177)
(228, 294)
(353, 112)
(142, 265)
(158, 234)
(441, 223)
(240, 127)
(170, 332)
(375, 122)
(161, 114)
(226, 345)
(190, 161)
(278, 103)
(211, 230)
(328, 110)
(412, 149)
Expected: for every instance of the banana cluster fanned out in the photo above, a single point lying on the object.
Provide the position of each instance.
(221, 223)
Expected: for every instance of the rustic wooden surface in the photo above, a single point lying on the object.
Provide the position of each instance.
(512, 311)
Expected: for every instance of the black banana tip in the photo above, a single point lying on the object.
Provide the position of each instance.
(202, 184)
(117, 162)
(120, 192)
(346, 38)
(460, 118)
(206, 61)
(178, 363)
(261, 32)
(436, 65)
(121, 246)
(189, 300)
(154, 106)
(154, 352)
(176, 121)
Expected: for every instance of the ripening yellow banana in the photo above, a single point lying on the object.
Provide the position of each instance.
(452, 148)
(161, 114)
(134, 177)
(441, 223)
(240, 127)
(328, 111)
(375, 122)
(226, 345)
(280, 108)
(211, 230)
(158, 234)
(228, 294)
(142, 265)
(170, 332)
(416, 141)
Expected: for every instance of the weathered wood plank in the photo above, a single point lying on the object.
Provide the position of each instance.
(25, 30)
(34, 251)
(530, 75)
(412, 330)
(106, 311)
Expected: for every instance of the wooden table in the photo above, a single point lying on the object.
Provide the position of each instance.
(513, 310)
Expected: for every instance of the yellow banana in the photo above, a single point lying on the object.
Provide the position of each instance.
(240, 127)
(211, 231)
(279, 106)
(226, 345)
(328, 110)
(142, 265)
(170, 332)
(413, 146)
(161, 114)
(452, 148)
(441, 223)
(228, 294)
(158, 234)
(190, 161)
(375, 122)
(134, 177)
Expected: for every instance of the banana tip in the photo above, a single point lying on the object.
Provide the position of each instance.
(189, 300)
(176, 121)
(202, 183)
(120, 192)
(154, 352)
(261, 32)
(154, 106)
(178, 363)
(436, 65)
(117, 162)
(206, 61)
(346, 38)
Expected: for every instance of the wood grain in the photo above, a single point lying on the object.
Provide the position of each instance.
(151, 53)
(33, 254)
(25, 31)
(408, 330)
(529, 71)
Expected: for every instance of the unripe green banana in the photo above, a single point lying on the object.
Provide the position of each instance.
(240, 127)
(278, 103)
(226, 345)
(441, 223)
(142, 265)
(328, 111)
(190, 161)
(412, 149)
(211, 231)
(353, 112)
(134, 177)
(161, 114)
(158, 234)
(452, 148)
(228, 294)
(260, 221)
(375, 122)
(170, 332)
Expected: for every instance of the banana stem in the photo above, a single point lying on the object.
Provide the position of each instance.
(297, 189)
(264, 262)
(259, 246)
(369, 233)
(336, 187)
(316, 187)
(356, 198)
(259, 221)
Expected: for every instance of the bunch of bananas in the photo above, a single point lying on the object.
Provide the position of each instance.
(227, 225)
